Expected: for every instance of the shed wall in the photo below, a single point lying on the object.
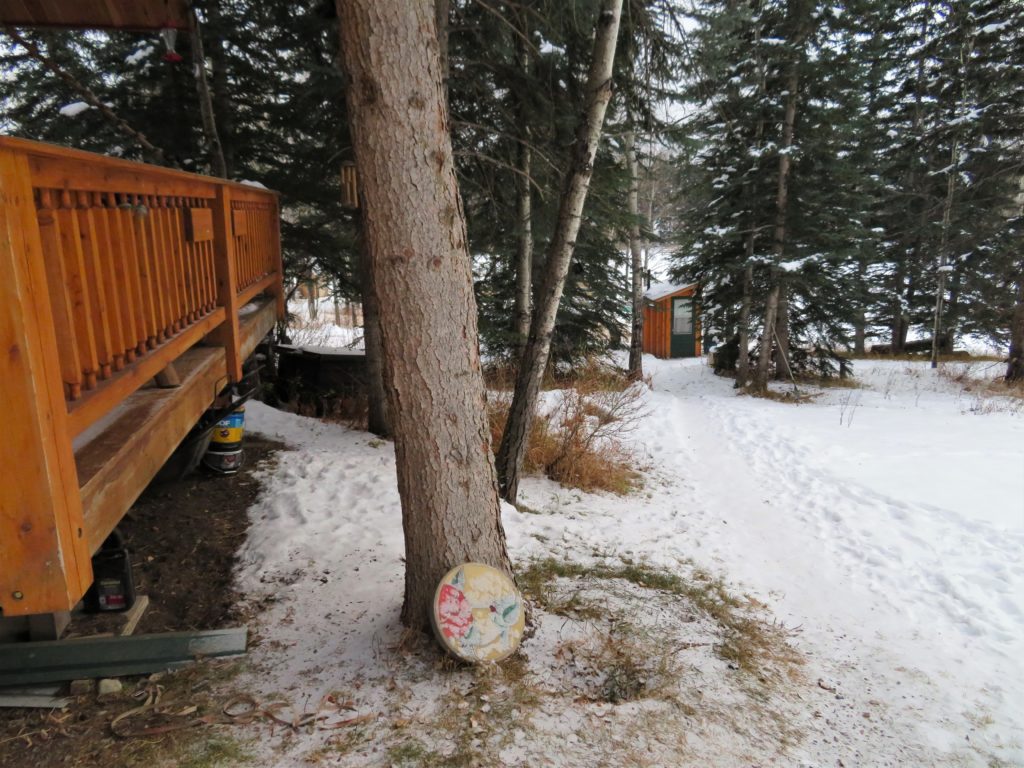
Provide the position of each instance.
(658, 325)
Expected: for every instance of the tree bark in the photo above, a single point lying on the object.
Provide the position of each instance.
(750, 242)
(442, 15)
(1015, 365)
(743, 353)
(860, 316)
(416, 232)
(760, 383)
(636, 341)
(783, 369)
(574, 194)
(220, 167)
(524, 218)
(223, 107)
(377, 413)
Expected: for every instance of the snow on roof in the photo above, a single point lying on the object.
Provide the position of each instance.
(661, 290)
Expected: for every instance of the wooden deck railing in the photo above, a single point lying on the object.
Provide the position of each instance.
(109, 271)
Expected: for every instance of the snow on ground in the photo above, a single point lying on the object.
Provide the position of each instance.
(324, 331)
(885, 523)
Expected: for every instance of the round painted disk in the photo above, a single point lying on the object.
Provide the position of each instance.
(478, 613)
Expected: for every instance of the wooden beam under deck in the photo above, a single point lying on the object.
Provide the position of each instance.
(117, 463)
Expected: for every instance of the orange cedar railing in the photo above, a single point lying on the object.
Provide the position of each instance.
(141, 263)
(109, 272)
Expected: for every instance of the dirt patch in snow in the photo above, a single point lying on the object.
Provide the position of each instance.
(183, 537)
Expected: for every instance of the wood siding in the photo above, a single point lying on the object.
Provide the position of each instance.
(658, 323)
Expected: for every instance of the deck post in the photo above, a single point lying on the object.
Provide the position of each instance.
(227, 334)
(278, 260)
(45, 560)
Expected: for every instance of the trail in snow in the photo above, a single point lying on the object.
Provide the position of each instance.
(922, 602)
(907, 598)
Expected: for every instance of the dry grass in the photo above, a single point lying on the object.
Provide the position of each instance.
(579, 444)
(593, 375)
(944, 357)
(747, 641)
(985, 387)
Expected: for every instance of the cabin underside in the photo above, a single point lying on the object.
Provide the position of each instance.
(130, 296)
(118, 457)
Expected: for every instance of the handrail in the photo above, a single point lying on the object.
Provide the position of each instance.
(141, 263)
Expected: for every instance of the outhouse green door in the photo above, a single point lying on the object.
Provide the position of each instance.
(684, 342)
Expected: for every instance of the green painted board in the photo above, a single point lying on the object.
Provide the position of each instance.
(57, 660)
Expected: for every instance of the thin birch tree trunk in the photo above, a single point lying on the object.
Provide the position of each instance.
(574, 193)
(220, 167)
(524, 216)
(416, 232)
(636, 341)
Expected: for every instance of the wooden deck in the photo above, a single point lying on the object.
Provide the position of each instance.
(109, 272)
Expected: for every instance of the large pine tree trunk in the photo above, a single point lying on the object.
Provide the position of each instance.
(760, 383)
(743, 358)
(1015, 365)
(417, 237)
(636, 342)
(442, 17)
(860, 316)
(377, 415)
(783, 369)
(750, 242)
(574, 193)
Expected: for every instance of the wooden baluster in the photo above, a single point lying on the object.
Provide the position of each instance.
(170, 261)
(74, 270)
(176, 231)
(242, 243)
(95, 282)
(250, 250)
(201, 265)
(173, 236)
(140, 306)
(110, 263)
(150, 271)
(46, 563)
(188, 259)
(211, 272)
(227, 334)
(60, 301)
(163, 267)
(122, 256)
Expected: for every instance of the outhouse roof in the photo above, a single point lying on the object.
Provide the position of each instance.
(662, 290)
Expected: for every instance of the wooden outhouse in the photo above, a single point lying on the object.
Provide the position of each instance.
(671, 321)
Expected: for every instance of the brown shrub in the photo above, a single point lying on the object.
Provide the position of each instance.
(593, 375)
(578, 444)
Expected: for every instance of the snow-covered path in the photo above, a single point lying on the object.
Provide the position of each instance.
(885, 524)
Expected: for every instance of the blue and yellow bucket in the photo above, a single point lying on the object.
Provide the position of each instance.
(225, 452)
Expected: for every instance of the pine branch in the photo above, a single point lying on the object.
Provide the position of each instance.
(86, 93)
